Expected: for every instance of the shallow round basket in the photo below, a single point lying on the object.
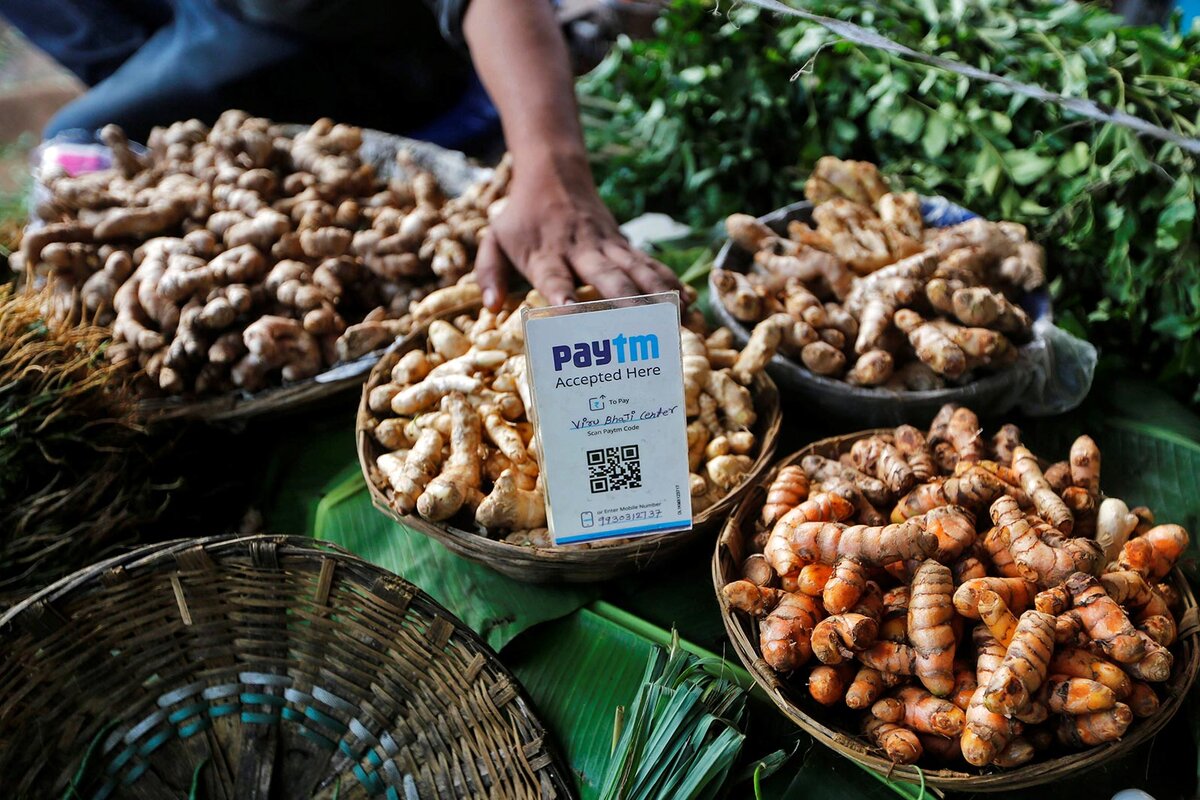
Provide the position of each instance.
(257, 667)
(989, 395)
(837, 728)
(455, 173)
(569, 563)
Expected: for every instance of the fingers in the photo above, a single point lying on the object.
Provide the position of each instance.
(649, 275)
(610, 279)
(492, 270)
(550, 275)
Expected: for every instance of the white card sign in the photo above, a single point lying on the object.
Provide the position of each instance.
(606, 380)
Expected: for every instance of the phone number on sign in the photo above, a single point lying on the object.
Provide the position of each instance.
(632, 516)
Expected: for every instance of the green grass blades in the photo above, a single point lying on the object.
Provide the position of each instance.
(681, 735)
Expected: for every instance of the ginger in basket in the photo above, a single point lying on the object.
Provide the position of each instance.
(241, 256)
(456, 445)
(972, 627)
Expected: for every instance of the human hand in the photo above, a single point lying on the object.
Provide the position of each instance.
(554, 229)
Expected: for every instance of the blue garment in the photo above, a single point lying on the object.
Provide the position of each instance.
(151, 62)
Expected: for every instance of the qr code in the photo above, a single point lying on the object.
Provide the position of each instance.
(614, 468)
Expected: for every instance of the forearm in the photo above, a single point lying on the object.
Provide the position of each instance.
(522, 60)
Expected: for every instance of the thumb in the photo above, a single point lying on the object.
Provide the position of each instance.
(492, 271)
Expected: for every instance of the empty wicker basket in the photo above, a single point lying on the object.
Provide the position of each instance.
(838, 728)
(257, 667)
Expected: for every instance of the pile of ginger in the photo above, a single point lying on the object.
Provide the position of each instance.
(456, 441)
(1004, 607)
(241, 256)
(873, 297)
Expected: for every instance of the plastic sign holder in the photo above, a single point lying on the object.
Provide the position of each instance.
(606, 384)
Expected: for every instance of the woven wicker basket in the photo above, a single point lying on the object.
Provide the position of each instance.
(838, 730)
(258, 667)
(571, 563)
(990, 395)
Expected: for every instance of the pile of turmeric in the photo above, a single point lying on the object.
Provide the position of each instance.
(974, 602)
(241, 256)
(455, 443)
(873, 297)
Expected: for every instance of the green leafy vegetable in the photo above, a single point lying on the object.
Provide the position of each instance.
(727, 110)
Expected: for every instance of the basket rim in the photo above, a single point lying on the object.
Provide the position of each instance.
(994, 380)
(555, 564)
(161, 557)
(740, 631)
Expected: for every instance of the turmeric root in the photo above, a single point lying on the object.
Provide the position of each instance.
(1017, 594)
(1143, 701)
(827, 541)
(965, 683)
(813, 578)
(954, 528)
(837, 638)
(827, 684)
(1079, 695)
(1048, 558)
(788, 490)
(756, 570)
(1077, 663)
(920, 711)
(920, 500)
(1089, 730)
(898, 743)
(1049, 505)
(1024, 668)
(751, 598)
(1085, 464)
(875, 456)
(1154, 553)
(895, 658)
(1000, 622)
(1105, 621)
(930, 631)
(986, 733)
(1004, 442)
(845, 585)
(865, 689)
(911, 444)
(1155, 665)
(820, 469)
(785, 635)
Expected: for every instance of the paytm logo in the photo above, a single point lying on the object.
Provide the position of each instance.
(599, 353)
